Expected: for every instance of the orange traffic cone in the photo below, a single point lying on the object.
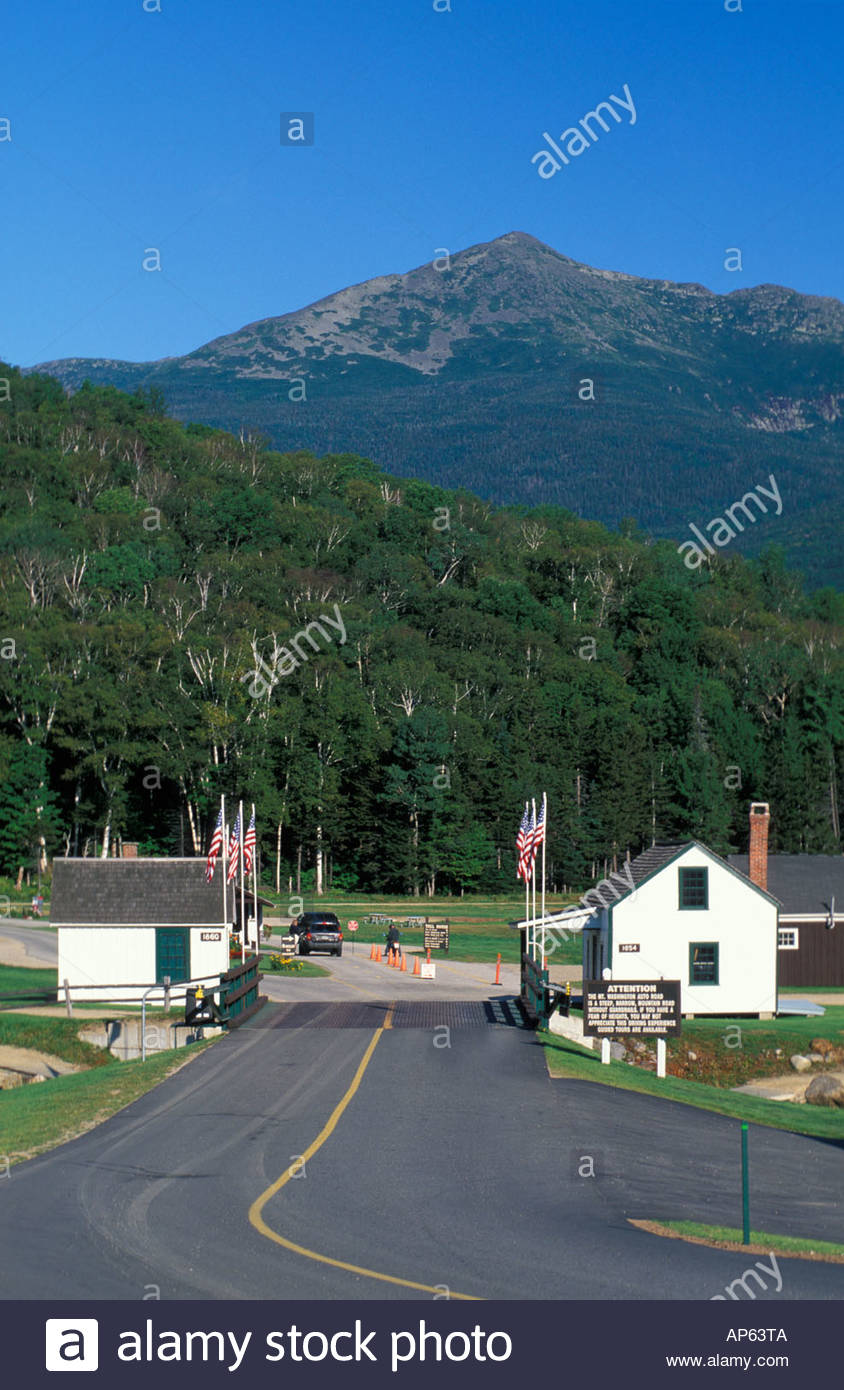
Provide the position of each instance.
(403, 962)
(378, 954)
(416, 969)
(372, 951)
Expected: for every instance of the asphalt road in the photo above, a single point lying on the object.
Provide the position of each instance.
(40, 946)
(452, 1166)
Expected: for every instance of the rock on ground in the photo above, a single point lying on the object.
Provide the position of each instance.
(826, 1090)
(800, 1063)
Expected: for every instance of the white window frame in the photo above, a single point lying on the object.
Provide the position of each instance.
(793, 945)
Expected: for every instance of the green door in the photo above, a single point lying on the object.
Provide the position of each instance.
(171, 953)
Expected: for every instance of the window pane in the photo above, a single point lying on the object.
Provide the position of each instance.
(703, 963)
(694, 888)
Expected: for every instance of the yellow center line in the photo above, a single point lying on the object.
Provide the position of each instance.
(256, 1210)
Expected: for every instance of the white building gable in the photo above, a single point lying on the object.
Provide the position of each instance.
(689, 917)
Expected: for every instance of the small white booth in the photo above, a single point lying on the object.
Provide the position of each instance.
(129, 923)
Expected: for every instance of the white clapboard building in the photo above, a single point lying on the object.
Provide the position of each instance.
(127, 923)
(679, 912)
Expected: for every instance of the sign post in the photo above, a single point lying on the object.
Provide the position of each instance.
(632, 1008)
(436, 936)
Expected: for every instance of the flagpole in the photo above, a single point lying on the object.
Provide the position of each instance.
(527, 901)
(255, 886)
(533, 881)
(234, 885)
(225, 847)
(544, 838)
(242, 892)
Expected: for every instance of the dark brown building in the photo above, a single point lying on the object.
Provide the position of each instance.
(810, 890)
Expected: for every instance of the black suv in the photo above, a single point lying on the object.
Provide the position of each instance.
(318, 931)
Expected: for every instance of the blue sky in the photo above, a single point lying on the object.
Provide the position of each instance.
(134, 129)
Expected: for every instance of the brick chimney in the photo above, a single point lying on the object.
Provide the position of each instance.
(760, 819)
(130, 849)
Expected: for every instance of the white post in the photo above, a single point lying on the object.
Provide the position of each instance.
(605, 1050)
(242, 892)
(660, 1056)
(255, 886)
(223, 862)
(527, 909)
(544, 838)
(533, 887)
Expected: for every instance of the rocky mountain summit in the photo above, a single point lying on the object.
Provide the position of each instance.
(526, 376)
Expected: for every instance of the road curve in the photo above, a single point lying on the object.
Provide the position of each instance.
(454, 1165)
(37, 946)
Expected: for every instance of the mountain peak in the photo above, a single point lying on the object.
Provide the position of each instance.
(466, 371)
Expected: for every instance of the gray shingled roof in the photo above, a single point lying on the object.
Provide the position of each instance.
(802, 882)
(643, 865)
(122, 891)
(653, 859)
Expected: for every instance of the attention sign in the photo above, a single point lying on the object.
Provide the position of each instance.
(617, 1009)
(436, 936)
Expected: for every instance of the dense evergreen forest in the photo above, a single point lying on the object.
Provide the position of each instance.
(387, 669)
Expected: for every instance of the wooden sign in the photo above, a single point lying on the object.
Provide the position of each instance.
(436, 936)
(625, 1008)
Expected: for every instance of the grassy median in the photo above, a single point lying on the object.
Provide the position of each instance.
(761, 1242)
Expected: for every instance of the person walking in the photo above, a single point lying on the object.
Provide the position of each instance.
(393, 940)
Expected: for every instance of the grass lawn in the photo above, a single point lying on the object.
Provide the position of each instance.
(38, 1117)
(57, 1036)
(23, 977)
(800, 992)
(761, 1242)
(479, 929)
(568, 1059)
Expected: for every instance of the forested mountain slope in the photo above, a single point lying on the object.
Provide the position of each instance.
(469, 371)
(467, 656)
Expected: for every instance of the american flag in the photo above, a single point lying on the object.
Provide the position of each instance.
(523, 843)
(234, 850)
(214, 848)
(537, 836)
(249, 845)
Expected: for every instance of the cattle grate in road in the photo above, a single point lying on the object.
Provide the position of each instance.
(433, 1013)
(352, 1015)
(406, 1013)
